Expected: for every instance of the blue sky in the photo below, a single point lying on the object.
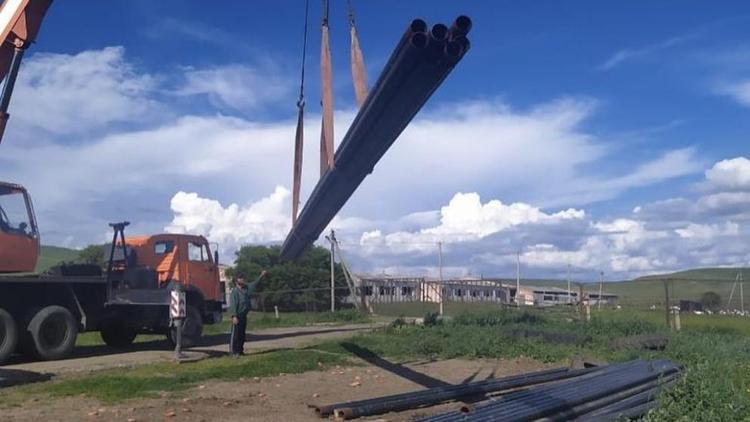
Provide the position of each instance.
(574, 112)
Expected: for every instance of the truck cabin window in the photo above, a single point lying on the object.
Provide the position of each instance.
(163, 247)
(198, 252)
(14, 217)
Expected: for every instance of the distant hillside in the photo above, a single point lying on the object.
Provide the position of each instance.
(52, 255)
(689, 284)
(701, 274)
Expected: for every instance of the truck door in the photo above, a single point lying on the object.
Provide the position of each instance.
(201, 269)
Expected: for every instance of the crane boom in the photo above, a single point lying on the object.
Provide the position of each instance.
(20, 21)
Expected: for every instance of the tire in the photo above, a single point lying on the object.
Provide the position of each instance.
(8, 335)
(192, 329)
(117, 336)
(52, 333)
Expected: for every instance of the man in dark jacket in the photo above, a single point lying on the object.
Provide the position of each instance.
(239, 306)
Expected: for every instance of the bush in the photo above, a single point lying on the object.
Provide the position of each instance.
(432, 319)
(711, 301)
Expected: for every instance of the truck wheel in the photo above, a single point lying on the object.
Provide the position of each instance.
(52, 333)
(192, 329)
(117, 336)
(8, 335)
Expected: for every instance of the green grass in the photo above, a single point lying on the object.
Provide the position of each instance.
(53, 255)
(147, 381)
(256, 321)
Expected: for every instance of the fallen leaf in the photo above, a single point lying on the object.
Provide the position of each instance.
(316, 395)
(355, 384)
(170, 414)
(94, 413)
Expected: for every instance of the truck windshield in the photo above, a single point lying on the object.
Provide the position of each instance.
(14, 216)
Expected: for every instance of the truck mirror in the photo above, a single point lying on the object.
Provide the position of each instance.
(216, 257)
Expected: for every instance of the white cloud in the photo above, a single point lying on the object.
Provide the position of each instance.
(465, 219)
(240, 87)
(266, 220)
(71, 93)
(466, 215)
(739, 91)
(708, 231)
(730, 174)
(627, 54)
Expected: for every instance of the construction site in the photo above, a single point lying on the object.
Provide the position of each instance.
(146, 274)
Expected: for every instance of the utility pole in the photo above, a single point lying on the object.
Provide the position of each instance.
(518, 277)
(568, 283)
(742, 297)
(440, 272)
(333, 274)
(731, 293)
(666, 302)
(601, 286)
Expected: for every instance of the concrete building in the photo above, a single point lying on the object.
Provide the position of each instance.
(387, 289)
(420, 289)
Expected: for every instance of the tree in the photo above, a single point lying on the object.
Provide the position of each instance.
(711, 300)
(303, 284)
(92, 254)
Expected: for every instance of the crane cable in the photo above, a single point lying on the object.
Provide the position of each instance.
(326, 83)
(359, 77)
(300, 135)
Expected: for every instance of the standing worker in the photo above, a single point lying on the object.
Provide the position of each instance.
(239, 306)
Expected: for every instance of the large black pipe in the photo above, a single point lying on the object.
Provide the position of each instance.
(546, 401)
(432, 396)
(413, 72)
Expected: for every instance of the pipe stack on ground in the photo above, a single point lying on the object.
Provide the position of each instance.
(433, 396)
(419, 64)
(606, 395)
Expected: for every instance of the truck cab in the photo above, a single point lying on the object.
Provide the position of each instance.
(19, 236)
(180, 258)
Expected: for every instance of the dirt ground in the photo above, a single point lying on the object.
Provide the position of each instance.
(280, 398)
(94, 358)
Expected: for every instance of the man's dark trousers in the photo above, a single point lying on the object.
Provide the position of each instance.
(237, 335)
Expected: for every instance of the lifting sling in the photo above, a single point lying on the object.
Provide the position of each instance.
(359, 77)
(326, 83)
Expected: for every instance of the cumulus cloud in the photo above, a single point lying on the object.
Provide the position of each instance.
(730, 174)
(667, 235)
(466, 215)
(263, 221)
(464, 219)
(241, 87)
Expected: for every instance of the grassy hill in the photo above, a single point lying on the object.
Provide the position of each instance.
(52, 255)
(689, 285)
(702, 274)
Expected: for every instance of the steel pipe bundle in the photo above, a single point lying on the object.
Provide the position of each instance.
(419, 64)
(606, 388)
(432, 396)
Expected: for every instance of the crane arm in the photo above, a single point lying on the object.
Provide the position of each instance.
(20, 21)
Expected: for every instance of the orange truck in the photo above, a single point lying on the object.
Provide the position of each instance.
(42, 314)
